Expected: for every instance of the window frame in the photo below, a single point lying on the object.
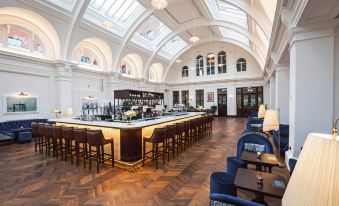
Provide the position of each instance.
(199, 65)
(185, 99)
(210, 66)
(222, 59)
(175, 96)
(184, 71)
(241, 65)
(199, 97)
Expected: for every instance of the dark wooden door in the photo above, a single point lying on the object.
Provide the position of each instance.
(222, 102)
(248, 99)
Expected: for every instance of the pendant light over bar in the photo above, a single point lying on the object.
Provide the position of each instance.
(159, 4)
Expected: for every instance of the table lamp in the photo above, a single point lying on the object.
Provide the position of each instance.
(315, 178)
(56, 112)
(262, 111)
(271, 122)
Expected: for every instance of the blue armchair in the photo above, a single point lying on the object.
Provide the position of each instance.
(284, 138)
(217, 199)
(250, 141)
(251, 121)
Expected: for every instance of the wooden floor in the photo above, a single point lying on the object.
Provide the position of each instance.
(27, 178)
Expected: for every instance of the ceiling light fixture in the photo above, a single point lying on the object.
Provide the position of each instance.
(159, 4)
(107, 24)
(194, 39)
(178, 61)
(23, 94)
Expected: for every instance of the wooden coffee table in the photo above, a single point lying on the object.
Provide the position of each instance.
(18, 130)
(267, 160)
(246, 179)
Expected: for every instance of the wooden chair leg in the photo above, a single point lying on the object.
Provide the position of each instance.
(85, 154)
(90, 157)
(144, 152)
(112, 152)
(77, 152)
(98, 158)
(156, 155)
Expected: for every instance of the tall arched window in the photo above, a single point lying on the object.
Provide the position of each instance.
(199, 63)
(184, 72)
(126, 68)
(241, 65)
(88, 57)
(151, 76)
(20, 39)
(210, 64)
(222, 68)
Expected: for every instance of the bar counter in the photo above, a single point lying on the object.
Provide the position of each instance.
(127, 137)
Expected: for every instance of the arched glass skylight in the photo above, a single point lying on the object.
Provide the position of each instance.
(65, 4)
(231, 34)
(121, 12)
(172, 47)
(152, 30)
(231, 13)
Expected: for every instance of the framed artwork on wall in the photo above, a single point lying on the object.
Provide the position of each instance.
(20, 104)
(210, 96)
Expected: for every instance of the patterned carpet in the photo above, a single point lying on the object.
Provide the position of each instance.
(27, 178)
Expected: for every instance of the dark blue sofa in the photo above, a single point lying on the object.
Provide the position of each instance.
(6, 127)
(284, 138)
(222, 199)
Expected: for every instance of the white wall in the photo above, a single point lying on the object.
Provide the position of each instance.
(336, 75)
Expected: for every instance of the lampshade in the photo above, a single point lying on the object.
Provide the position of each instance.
(315, 179)
(159, 4)
(56, 111)
(262, 111)
(271, 120)
(69, 112)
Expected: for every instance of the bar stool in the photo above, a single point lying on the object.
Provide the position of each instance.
(158, 137)
(36, 135)
(187, 134)
(68, 137)
(58, 141)
(96, 139)
(193, 131)
(180, 129)
(80, 136)
(171, 140)
(49, 138)
(43, 139)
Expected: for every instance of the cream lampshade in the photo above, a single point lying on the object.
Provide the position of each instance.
(262, 111)
(271, 121)
(315, 179)
(69, 112)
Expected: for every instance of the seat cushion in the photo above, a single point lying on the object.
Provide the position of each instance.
(24, 137)
(222, 182)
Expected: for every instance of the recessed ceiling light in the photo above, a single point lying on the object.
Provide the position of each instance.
(107, 24)
(159, 4)
(194, 39)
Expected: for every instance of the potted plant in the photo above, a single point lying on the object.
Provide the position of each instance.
(214, 109)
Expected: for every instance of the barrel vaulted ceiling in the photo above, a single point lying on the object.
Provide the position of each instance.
(165, 33)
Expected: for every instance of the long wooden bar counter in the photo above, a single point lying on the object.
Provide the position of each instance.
(127, 137)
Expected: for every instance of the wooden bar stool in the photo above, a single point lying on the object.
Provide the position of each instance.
(180, 129)
(96, 139)
(36, 135)
(158, 137)
(171, 140)
(58, 141)
(43, 139)
(187, 134)
(49, 137)
(193, 131)
(68, 137)
(81, 149)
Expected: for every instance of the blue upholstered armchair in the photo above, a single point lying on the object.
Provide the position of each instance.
(217, 199)
(250, 141)
(251, 121)
(284, 138)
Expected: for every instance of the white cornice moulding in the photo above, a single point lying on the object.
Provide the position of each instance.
(217, 81)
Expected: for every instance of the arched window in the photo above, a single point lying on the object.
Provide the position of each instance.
(126, 68)
(151, 75)
(184, 72)
(241, 65)
(88, 57)
(210, 64)
(222, 62)
(199, 63)
(20, 39)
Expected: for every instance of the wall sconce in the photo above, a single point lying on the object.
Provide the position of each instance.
(22, 94)
(56, 112)
(90, 97)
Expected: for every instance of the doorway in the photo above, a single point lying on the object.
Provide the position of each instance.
(248, 99)
(222, 102)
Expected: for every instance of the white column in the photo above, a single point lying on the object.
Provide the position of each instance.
(63, 93)
(272, 93)
(311, 87)
(267, 94)
(282, 92)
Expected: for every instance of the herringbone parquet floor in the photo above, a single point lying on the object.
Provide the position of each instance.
(27, 178)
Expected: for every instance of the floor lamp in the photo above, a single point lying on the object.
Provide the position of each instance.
(271, 122)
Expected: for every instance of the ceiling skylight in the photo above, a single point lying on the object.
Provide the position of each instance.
(153, 30)
(172, 47)
(121, 12)
(231, 34)
(231, 13)
(65, 4)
